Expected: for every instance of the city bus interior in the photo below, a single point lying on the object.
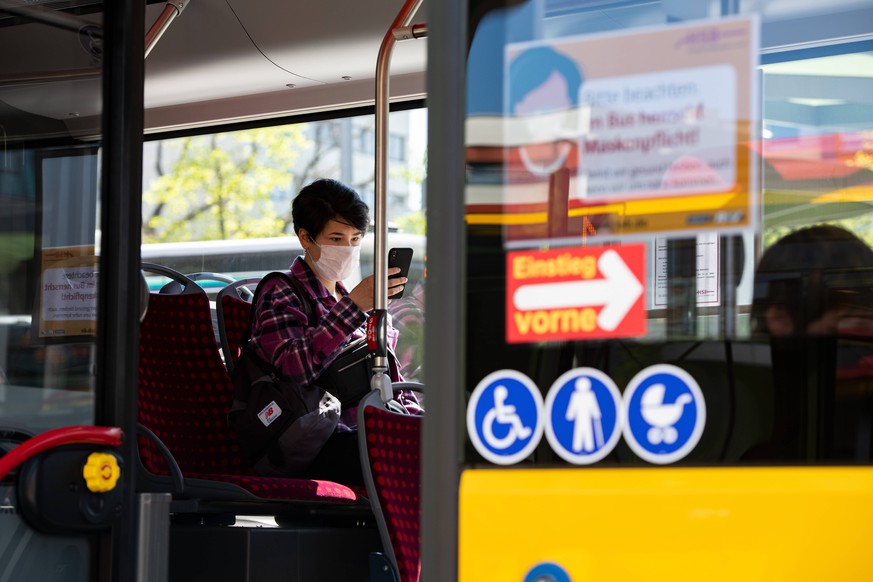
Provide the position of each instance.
(215, 69)
(208, 64)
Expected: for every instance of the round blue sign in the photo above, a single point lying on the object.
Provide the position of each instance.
(583, 416)
(504, 417)
(547, 572)
(664, 414)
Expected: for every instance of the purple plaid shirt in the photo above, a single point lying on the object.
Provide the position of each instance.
(281, 334)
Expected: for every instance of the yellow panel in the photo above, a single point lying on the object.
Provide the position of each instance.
(748, 524)
(682, 205)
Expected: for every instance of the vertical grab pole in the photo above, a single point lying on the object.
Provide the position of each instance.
(153, 543)
(376, 332)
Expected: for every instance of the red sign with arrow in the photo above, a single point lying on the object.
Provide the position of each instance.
(575, 293)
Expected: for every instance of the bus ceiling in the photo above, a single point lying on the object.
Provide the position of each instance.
(223, 62)
(73, 23)
(232, 62)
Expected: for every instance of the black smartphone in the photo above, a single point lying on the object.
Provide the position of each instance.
(399, 257)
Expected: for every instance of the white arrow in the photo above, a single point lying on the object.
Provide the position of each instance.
(617, 291)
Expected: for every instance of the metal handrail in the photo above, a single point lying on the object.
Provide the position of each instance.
(99, 435)
(399, 30)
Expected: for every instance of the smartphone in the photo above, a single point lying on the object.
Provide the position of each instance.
(400, 257)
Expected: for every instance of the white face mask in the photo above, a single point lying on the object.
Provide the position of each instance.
(337, 263)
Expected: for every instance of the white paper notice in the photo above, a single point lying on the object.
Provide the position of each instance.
(708, 275)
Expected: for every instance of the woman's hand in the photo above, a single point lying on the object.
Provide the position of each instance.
(362, 294)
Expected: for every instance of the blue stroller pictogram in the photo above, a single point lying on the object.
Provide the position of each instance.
(665, 414)
(504, 417)
(661, 415)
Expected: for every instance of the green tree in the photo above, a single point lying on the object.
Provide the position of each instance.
(219, 186)
(414, 222)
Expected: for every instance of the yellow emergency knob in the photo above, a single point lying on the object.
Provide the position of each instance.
(101, 472)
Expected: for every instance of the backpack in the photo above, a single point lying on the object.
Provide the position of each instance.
(280, 426)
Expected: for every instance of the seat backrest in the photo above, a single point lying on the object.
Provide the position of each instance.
(184, 388)
(390, 445)
(185, 392)
(233, 305)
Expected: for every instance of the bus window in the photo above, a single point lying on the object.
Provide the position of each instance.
(573, 156)
(49, 249)
(232, 215)
(668, 288)
(50, 304)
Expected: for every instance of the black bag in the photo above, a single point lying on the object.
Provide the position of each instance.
(348, 377)
(282, 427)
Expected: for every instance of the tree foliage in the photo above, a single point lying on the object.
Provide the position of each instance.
(414, 223)
(220, 186)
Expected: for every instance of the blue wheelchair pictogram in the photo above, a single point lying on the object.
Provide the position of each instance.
(583, 416)
(547, 572)
(665, 414)
(504, 417)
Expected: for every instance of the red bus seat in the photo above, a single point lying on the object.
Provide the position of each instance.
(233, 305)
(390, 444)
(184, 394)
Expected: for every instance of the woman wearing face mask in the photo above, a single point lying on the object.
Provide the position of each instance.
(330, 220)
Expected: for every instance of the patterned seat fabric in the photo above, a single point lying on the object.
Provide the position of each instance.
(236, 315)
(393, 453)
(184, 395)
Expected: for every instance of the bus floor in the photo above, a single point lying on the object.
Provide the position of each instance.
(257, 549)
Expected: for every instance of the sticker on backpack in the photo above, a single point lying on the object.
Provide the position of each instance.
(270, 413)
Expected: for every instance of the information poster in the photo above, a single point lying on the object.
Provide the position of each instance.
(68, 292)
(707, 272)
(627, 135)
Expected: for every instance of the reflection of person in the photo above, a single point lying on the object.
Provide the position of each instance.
(812, 291)
(808, 283)
(408, 314)
(542, 80)
(330, 220)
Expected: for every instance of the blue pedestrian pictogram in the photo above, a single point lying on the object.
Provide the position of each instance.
(664, 414)
(504, 417)
(583, 416)
(547, 572)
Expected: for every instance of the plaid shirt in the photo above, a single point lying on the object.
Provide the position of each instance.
(282, 336)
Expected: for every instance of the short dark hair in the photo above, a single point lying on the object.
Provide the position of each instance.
(325, 200)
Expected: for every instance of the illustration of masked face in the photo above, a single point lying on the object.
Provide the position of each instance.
(547, 120)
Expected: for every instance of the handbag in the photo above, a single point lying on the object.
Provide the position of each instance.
(348, 376)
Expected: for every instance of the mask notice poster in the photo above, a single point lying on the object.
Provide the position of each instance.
(621, 136)
(67, 292)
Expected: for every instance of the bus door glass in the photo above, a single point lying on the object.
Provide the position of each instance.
(668, 267)
(50, 112)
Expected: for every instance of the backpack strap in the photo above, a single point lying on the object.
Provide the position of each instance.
(247, 349)
(294, 283)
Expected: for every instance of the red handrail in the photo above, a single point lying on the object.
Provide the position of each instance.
(68, 435)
